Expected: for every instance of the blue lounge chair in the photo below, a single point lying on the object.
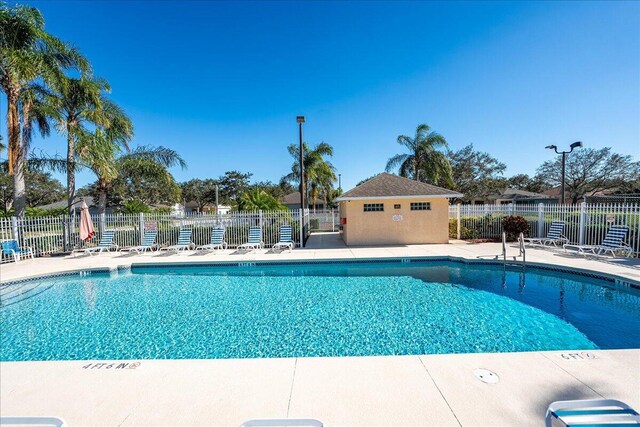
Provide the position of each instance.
(554, 236)
(217, 240)
(286, 239)
(105, 244)
(613, 243)
(597, 412)
(184, 241)
(148, 243)
(12, 248)
(255, 239)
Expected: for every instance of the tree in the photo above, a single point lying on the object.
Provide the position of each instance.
(319, 173)
(141, 174)
(423, 162)
(525, 182)
(274, 189)
(255, 200)
(27, 54)
(41, 189)
(589, 171)
(201, 191)
(77, 103)
(232, 185)
(475, 174)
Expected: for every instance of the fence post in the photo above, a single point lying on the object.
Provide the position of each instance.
(458, 222)
(260, 218)
(510, 209)
(333, 221)
(301, 226)
(583, 222)
(540, 219)
(14, 229)
(141, 227)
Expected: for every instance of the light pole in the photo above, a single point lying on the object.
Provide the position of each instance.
(340, 181)
(300, 120)
(564, 158)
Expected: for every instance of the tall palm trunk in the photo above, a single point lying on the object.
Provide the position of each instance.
(102, 196)
(71, 166)
(15, 152)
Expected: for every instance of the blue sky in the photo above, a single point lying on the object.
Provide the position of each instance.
(222, 82)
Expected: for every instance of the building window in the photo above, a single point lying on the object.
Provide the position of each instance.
(421, 206)
(374, 207)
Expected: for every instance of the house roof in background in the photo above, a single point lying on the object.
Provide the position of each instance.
(294, 199)
(77, 201)
(388, 186)
(512, 193)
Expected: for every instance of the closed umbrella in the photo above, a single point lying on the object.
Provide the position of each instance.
(86, 225)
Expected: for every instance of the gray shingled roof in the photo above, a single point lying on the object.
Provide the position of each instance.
(386, 185)
(294, 198)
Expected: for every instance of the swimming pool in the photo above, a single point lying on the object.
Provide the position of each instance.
(330, 309)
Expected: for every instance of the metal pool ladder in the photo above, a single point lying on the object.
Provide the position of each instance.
(522, 251)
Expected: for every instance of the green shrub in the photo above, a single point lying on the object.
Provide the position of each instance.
(134, 207)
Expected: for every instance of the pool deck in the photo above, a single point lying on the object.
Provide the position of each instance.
(343, 391)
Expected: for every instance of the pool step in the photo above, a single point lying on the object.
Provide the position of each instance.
(13, 294)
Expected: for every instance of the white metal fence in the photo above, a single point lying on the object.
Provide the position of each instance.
(50, 235)
(328, 220)
(584, 223)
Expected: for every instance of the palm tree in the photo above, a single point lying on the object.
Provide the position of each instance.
(255, 200)
(318, 173)
(77, 103)
(103, 155)
(423, 162)
(27, 54)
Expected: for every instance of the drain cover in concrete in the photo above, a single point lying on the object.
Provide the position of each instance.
(486, 376)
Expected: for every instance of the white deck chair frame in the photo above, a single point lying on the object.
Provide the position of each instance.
(612, 243)
(184, 241)
(217, 240)
(148, 243)
(590, 412)
(105, 244)
(254, 241)
(285, 240)
(554, 237)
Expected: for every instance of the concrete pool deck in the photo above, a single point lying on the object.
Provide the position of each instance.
(344, 391)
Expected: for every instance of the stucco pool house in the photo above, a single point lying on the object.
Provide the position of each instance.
(392, 210)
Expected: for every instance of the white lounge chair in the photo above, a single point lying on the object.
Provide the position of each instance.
(12, 248)
(184, 241)
(554, 236)
(597, 412)
(286, 239)
(105, 244)
(217, 240)
(613, 243)
(148, 243)
(255, 239)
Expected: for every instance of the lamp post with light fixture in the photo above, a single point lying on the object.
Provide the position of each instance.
(300, 120)
(576, 144)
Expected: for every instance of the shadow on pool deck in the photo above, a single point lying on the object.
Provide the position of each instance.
(326, 240)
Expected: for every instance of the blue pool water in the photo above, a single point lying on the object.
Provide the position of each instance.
(313, 310)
